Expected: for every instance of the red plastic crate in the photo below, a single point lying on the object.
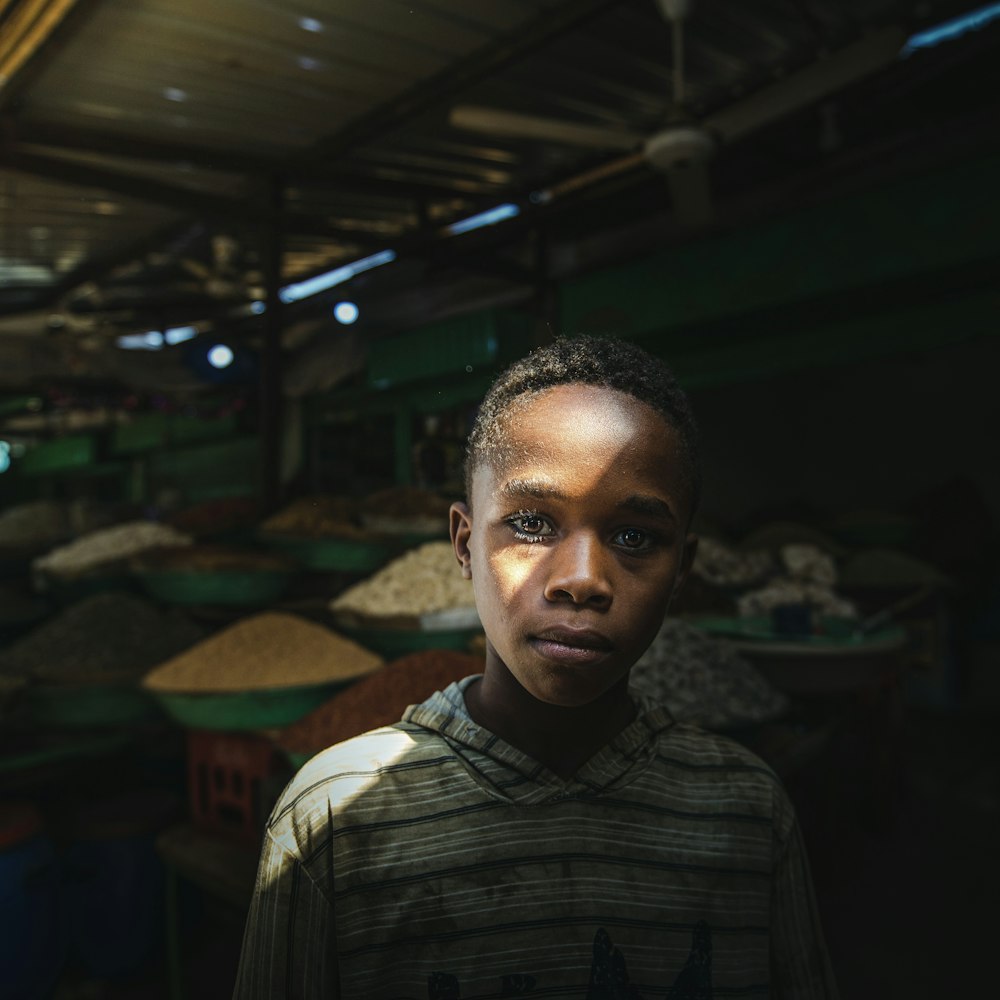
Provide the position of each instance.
(227, 773)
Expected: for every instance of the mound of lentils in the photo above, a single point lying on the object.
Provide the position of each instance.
(380, 699)
(108, 638)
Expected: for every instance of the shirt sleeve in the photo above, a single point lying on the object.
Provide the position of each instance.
(800, 965)
(289, 945)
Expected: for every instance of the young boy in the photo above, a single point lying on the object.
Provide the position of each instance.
(538, 830)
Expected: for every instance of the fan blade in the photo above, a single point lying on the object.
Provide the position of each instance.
(826, 76)
(674, 10)
(691, 193)
(593, 176)
(497, 122)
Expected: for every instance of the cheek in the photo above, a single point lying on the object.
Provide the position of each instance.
(650, 595)
(504, 576)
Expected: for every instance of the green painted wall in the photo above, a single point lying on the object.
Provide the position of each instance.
(849, 270)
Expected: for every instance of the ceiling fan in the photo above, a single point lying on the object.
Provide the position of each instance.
(683, 149)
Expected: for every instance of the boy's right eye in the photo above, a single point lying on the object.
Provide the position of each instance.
(530, 527)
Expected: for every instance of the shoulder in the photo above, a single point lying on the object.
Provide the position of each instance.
(689, 745)
(708, 767)
(379, 766)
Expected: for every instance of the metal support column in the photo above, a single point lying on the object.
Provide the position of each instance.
(271, 251)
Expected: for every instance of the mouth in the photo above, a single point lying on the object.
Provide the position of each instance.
(571, 645)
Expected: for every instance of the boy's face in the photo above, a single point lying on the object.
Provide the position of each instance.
(577, 542)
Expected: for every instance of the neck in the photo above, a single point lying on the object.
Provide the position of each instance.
(562, 738)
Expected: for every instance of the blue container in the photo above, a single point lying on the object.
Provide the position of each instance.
(115, 895)
(114, 884)
(32, 944)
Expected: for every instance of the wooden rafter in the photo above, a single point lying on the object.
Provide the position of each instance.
(27, 36)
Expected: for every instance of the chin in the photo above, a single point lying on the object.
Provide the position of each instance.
(568, 692)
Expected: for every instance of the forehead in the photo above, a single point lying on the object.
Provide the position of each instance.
(592, 409)
(590, 438)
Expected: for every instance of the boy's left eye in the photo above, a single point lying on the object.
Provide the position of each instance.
(633, 538)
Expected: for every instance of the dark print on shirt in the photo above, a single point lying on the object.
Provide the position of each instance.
(516, 985)
(441, 986)
(695, 979)
(608, 974)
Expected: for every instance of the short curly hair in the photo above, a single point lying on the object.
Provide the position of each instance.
(601, 361)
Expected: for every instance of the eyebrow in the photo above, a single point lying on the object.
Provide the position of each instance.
(540, 489)
(643, 504)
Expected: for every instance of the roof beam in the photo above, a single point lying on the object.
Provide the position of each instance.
(167, 239)
(232, 211)
(28, 42)
(19, 133)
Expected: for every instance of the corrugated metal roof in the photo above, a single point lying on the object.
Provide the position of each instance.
(254, 76)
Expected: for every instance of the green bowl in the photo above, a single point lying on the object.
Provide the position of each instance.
(79, 748)
(90, 705)
(240, 710)
(344, 554)
(837, 635)
(391, 642)
(219, 587)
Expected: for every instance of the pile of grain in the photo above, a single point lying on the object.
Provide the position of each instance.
(108, 546)
(107, 638)
(406, 501)
(424, 580)
(267, 651)
(320, 516)
(406, 510)
(379, 700)
(809, 578)
(704, 680)
(216, 516)
(33, 525)
(723, 566)
(782, 591)
(209, 559)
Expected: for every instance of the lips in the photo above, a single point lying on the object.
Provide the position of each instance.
(579, 638)
(571, 645)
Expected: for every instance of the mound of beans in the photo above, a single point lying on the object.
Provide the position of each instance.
(380, 699)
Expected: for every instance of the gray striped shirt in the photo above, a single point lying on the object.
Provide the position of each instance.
(430, 859)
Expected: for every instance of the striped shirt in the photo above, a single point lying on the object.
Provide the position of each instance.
(430, 859)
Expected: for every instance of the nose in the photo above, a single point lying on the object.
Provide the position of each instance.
(578, 572)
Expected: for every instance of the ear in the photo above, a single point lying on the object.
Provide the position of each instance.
(460, 527)
(687, 561)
